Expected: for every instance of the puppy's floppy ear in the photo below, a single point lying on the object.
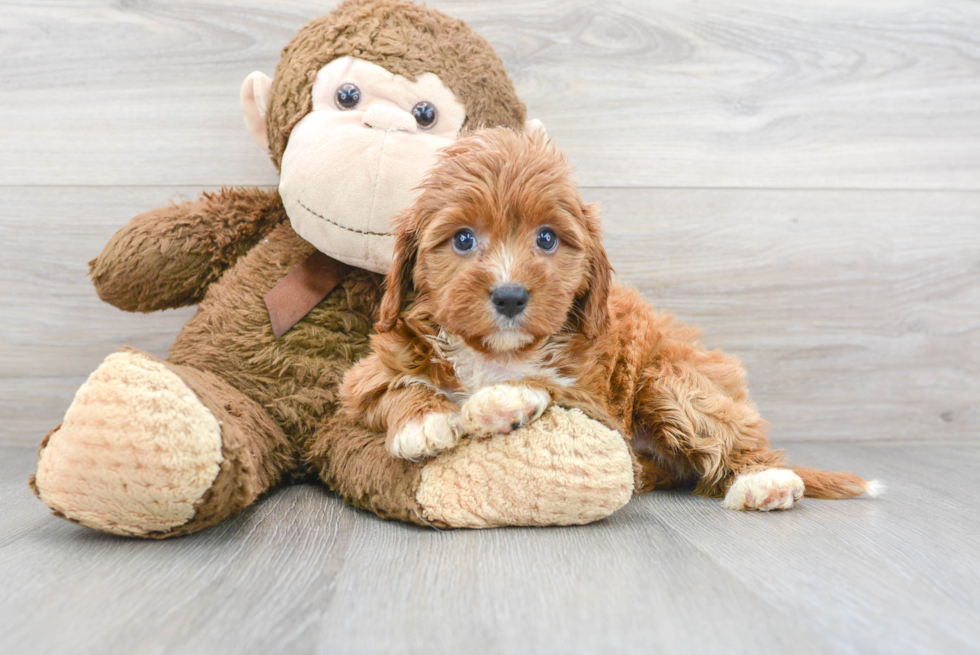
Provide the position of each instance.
(399, 276)
(593, 305)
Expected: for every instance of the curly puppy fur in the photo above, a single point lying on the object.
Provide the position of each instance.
(452, 358)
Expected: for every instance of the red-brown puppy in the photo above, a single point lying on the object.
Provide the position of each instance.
(515, 308)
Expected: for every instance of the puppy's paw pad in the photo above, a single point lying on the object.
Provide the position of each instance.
(765, 490)
(502, 408)
(425, 437)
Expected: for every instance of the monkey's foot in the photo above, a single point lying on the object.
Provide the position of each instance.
(136, 452)
(562, 469)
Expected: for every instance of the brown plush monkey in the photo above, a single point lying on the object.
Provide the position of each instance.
(361, 100)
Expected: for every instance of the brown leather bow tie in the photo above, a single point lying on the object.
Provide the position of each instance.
(302, 289)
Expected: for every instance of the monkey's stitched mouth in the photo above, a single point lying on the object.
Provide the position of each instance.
(343, 227)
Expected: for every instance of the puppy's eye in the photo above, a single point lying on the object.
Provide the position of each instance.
(425, 114)
(464, 241)
(547, 239)
(348, 96)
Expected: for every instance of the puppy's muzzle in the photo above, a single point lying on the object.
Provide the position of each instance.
(509, 299)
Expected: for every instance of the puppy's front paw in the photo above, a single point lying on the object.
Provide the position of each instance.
(424, 437)
(501, 408)
(765, 490)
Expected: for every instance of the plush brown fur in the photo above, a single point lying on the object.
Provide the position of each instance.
(169, 256)
(353, 461)
(587, 342)
(276, 398)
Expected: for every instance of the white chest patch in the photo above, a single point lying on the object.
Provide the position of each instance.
(474, 371)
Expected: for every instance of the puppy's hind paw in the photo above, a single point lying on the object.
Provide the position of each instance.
(501, 408)
(765, 490)
(424, 437)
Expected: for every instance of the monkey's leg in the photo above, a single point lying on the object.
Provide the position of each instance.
(153, 449)
(355, 462)
(562, 469)
(167, 257)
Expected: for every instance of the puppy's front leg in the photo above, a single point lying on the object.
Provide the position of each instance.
(501, 408)
(424, 437)
(418, 421)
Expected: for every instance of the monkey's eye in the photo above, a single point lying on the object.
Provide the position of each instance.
(547, 239)
(348, 96)
(464, 240)
(425, 114)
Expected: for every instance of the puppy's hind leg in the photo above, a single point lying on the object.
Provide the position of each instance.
(780, 488)
(705, 427)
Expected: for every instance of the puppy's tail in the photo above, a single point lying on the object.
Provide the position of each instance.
(833, 484)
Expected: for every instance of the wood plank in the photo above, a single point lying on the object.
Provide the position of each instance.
(616, 586)
(22, 512)
(857, 313)
(874, 576)
(51, 310)
(900, 573)
(256, 583)
(400, 587)
(756, 93)
(303, 573)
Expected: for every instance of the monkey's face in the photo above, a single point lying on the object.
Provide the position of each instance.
(354, 161)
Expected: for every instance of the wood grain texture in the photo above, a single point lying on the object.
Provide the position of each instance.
(857, 313)
(800, 179)
(670, 573)
(752, 93)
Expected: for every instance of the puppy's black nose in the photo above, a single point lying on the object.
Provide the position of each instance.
(509, 299)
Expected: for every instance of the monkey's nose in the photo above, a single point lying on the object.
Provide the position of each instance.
(509, 299)
(383, 117)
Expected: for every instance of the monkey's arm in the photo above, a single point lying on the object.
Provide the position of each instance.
(167, 257)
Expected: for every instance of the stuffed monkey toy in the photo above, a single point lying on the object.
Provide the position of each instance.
(288, 284)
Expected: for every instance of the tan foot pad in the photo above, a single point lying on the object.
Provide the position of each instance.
(562, 469)
(136, 451)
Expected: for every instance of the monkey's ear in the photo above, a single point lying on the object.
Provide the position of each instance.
(535, 127)
(255, 95)
(400, 274)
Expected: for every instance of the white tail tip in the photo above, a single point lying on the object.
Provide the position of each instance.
(875, 488)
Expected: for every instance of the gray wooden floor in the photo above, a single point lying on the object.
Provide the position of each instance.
(802, 179)
(670, 573)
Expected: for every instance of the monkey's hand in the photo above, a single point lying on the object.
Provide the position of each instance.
(167, 257)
